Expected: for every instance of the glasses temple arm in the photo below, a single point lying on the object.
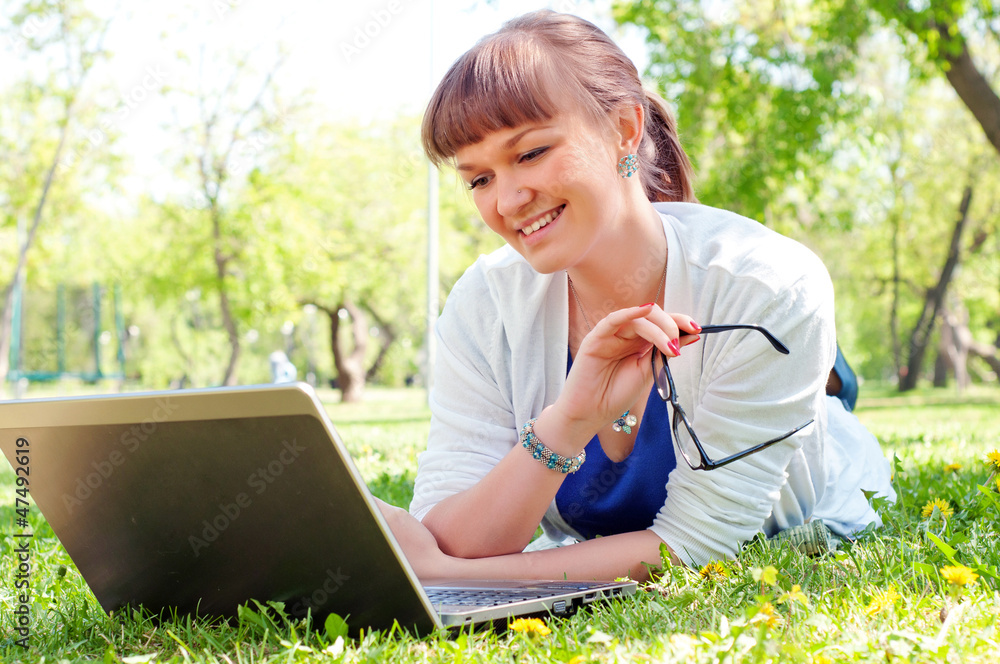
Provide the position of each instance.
(708, 329)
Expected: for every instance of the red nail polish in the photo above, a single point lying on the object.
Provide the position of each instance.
(697, 328)
(648, 304)
(675, 346)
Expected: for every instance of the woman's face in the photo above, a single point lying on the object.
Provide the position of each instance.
(549, 189)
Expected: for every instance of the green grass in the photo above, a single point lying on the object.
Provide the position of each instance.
(882, 598)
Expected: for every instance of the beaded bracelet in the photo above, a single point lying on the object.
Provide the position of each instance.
(551, 460)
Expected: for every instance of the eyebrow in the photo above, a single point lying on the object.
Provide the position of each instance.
(508, 144)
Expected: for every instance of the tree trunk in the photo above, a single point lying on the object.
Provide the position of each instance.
(386, 339)
(987, 353)
(350, 365)
(921, 334)
(6, 332)
(182, 381)
(975, 92)
(897, 352)
(228, 322)
(953, 349)
(952, 53)
(942, 367)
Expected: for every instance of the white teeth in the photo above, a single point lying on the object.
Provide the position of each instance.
(544, 221)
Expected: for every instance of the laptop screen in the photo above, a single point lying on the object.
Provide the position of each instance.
(203, 514)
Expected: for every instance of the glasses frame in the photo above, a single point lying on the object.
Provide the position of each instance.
(707, 463)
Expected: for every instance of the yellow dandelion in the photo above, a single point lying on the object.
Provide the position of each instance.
(953, 467)
(959, 575)
(530, 627)
(882, 600)
(768, 615)
(993, 459)
(713, 572)
(942, 506)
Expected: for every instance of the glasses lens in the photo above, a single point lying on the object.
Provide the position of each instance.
(660, 375)
(685, 443)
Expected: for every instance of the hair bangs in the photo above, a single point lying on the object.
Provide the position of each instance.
(503, 83)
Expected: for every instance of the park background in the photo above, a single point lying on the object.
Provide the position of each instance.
(186, 188)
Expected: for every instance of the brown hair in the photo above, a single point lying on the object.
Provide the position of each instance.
(512, 77)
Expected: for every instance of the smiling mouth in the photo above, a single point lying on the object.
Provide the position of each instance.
(544, 221)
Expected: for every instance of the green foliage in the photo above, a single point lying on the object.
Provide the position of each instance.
(757, 85)
(830, 122)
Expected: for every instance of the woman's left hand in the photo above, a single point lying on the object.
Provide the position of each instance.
(419, 545)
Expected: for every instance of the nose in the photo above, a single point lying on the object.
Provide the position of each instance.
(511, 197)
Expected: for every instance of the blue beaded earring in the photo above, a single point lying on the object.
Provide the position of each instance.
(627, 165)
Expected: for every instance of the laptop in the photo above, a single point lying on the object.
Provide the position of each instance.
(202, 500)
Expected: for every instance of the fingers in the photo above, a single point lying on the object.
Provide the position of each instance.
(688, 329)
(668, 332)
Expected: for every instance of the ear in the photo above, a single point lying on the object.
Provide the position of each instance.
(631, 125)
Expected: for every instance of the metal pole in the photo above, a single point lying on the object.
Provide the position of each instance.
(433, 286)
(120, 329)
(61, 329)
(16, 327)
(97, 331)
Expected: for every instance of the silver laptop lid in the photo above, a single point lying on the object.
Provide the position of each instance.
(173, 500)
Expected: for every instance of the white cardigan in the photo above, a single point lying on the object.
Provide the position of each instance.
(502, 349)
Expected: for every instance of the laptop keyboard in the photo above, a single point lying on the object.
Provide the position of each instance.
(492, 596)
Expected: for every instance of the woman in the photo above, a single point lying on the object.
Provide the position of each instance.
(557, 355)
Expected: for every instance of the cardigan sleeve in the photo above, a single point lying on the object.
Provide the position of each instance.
(501, 359)
(472, 423)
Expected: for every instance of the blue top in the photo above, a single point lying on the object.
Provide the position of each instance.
(606, 498)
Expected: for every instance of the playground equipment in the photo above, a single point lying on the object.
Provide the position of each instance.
(17, 371)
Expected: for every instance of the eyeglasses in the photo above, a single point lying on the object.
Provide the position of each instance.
(668, 392)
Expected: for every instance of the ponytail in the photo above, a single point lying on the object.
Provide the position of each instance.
(666, 171)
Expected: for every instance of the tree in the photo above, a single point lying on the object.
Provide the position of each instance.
(778, 102)
(352, 203)
(938, 26)
(352, 208)
(236, 122)
(67, 40)
(755, 93)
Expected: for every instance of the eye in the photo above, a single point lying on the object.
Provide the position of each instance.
(477, 182)
(532, 155)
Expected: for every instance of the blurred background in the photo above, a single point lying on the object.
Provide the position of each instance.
(222, 192)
